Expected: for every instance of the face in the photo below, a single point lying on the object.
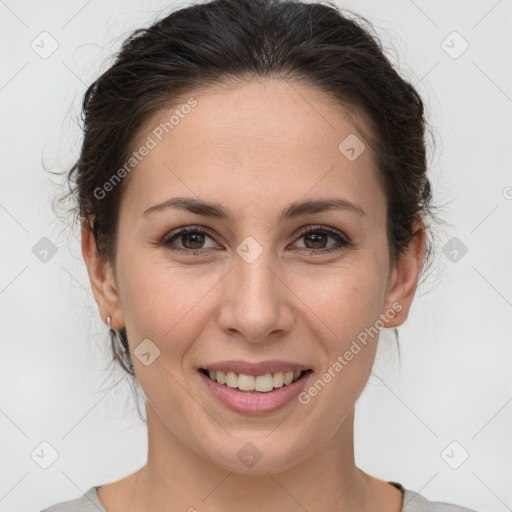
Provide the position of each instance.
(254, 285)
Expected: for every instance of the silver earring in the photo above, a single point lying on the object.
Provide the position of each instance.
(118, 340)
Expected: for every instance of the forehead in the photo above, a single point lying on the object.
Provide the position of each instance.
(253, 144)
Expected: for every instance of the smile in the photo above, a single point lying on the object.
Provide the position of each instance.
(254, 383)
(254, 394)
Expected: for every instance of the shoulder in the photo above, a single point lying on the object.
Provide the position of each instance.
(88, 502)
(412, 502)
(415, 502)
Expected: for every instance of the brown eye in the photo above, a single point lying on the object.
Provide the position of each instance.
(196, 240)
(316, 240)
(191, 239)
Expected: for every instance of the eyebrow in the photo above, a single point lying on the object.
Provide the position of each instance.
(292, 211)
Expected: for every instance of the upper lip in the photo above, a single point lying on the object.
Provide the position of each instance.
(261, 368)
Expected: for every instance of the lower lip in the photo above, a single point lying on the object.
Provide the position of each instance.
(255, 403)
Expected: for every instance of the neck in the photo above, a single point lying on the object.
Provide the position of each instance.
(176, 475)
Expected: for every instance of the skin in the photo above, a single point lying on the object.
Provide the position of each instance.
(255, 149)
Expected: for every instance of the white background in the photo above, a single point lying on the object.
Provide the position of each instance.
(454, 381)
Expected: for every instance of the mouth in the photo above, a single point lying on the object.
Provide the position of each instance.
(255, 384)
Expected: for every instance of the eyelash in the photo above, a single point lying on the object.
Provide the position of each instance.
(342, 241)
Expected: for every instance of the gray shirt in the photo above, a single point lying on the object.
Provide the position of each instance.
(413, 502)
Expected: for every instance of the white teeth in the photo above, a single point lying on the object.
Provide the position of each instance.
(288, 377)
(278, 379)
(221, 377)
(246, 382)
(231, 380)
(262, 383)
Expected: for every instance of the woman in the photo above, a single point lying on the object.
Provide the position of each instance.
(253, 196)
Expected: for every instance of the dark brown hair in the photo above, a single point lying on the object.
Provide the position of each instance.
(230, 41)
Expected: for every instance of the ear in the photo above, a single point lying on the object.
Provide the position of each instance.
(404, 277)
(102, 279)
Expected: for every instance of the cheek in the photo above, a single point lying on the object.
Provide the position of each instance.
(170, 303)
(166, 303)
(349, 308)
(349, 348)
(347, 300)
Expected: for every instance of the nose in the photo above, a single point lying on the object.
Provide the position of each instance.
(256, 301)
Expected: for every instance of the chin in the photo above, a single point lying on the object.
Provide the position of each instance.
(255, 456)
